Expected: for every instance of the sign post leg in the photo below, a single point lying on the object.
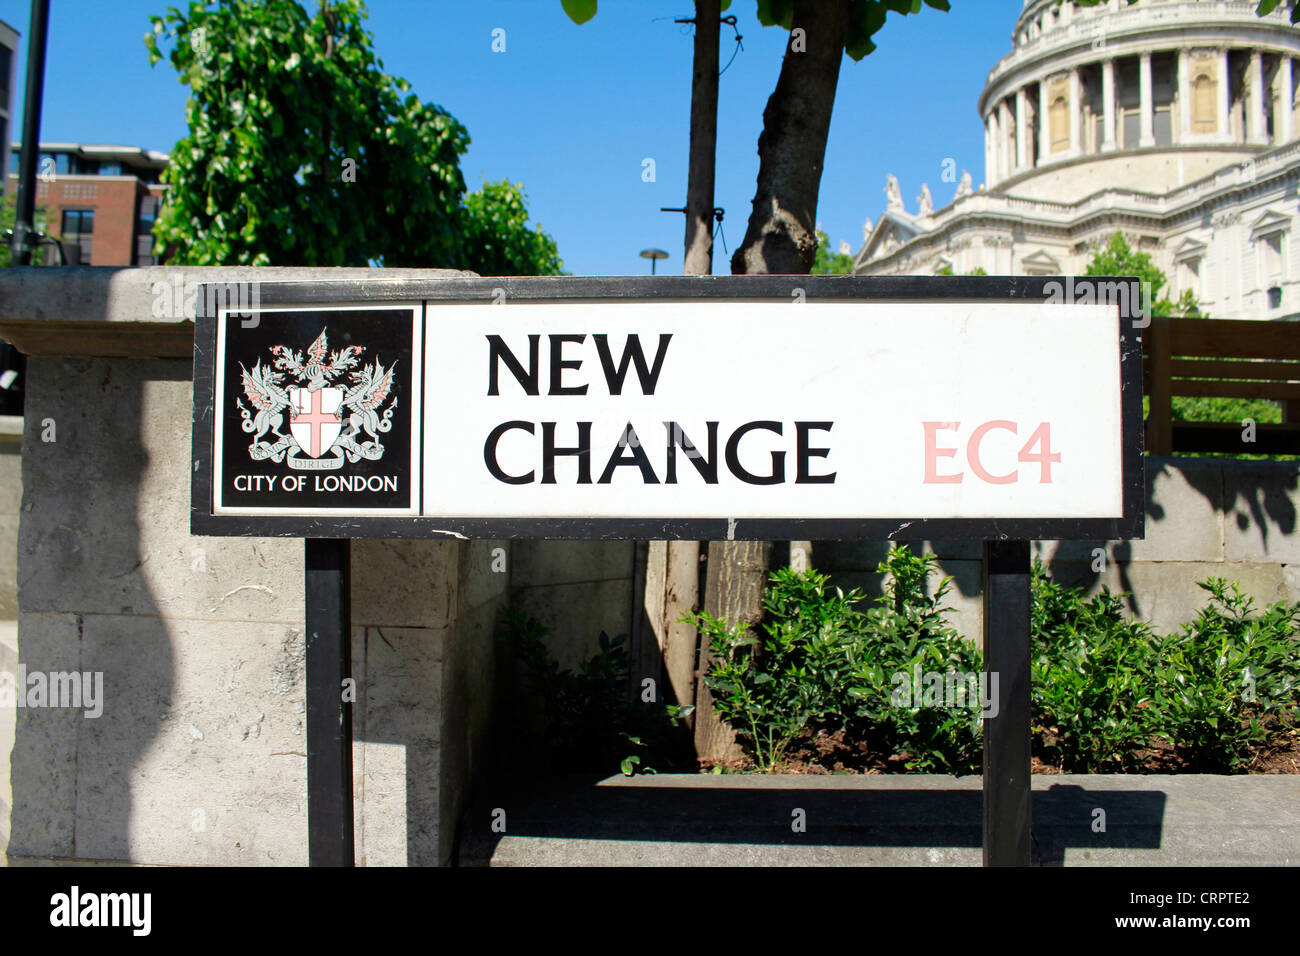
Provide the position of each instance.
(329, 712)
(1006, 729)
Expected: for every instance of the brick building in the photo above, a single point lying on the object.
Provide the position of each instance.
(8, 58)
(100, 201)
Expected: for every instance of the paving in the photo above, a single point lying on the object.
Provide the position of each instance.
(877, 820)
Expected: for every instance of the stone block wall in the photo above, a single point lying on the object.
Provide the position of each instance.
(577, 589)
(11, 433)
(1205, 517)
(199, 754)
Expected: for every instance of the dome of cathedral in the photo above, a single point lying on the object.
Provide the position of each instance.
(1153, 95)
(1173, 122)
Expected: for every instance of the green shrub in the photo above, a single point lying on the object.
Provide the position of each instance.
(1223, 675)
(1092, 678)
(907, 635)
(590, 722)
(825, 665)
(1108, 691)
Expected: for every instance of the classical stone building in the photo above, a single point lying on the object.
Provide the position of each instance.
(1174, 121)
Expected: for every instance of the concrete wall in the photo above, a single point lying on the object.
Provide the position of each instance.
(577, 589)
(11, 431)
(199, 754)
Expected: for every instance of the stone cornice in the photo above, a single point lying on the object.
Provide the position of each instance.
(1199, 198)
(142, 313)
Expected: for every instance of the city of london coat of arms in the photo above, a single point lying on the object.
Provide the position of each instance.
(335, 409)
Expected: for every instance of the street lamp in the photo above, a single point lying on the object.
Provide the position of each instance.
(653, 255)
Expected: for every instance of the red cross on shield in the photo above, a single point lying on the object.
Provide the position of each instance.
(318, 422)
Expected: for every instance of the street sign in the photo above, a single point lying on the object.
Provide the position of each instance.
(743, 407)
(796, 407)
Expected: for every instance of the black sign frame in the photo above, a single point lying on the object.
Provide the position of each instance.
(387, 291)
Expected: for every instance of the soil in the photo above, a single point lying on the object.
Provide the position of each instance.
(827, 753)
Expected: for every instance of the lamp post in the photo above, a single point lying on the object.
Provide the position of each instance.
(653, 255)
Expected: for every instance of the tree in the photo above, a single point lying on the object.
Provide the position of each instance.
(1117, 258)
(495, 236)
(8, 211)
(780, 236)
(302, 151)
(780, 233)
(826, 263)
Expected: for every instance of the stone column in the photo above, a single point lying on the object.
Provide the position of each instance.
(1284, 97)
(1108, 104)
(1044, 127)
(1184, 97)
(1225, 131)
(991, 148)
(1076, 99)
(1022, 129)
(1256, 127)
(1146, 134)
(1005, 127)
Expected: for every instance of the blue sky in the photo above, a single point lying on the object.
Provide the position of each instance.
(571, 112)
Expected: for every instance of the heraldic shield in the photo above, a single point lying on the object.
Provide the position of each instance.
(316, 422)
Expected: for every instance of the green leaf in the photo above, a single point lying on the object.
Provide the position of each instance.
(773, 13)
(579, 11)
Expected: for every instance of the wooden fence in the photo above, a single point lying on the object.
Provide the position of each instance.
(1221, 358)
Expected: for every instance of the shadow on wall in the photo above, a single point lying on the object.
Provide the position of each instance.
(1205, 517)
(86, 608)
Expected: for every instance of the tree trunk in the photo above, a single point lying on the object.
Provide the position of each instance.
(733, 589)
(672, 572)
(781, 238)
(704, 138)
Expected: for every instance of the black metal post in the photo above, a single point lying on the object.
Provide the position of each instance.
(1006, 730)
(329, 709)
(25, 214)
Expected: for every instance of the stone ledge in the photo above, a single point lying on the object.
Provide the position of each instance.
(881, 819)
(142, 313)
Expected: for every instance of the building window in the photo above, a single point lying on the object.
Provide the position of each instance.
(1058, 118)
(146, 215)
(1271, 257)
(1131, 130)
(1164, 126)
(1205, 112)
(78, 225)
(62, 163)
(1189, 276)
(1128, 105)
